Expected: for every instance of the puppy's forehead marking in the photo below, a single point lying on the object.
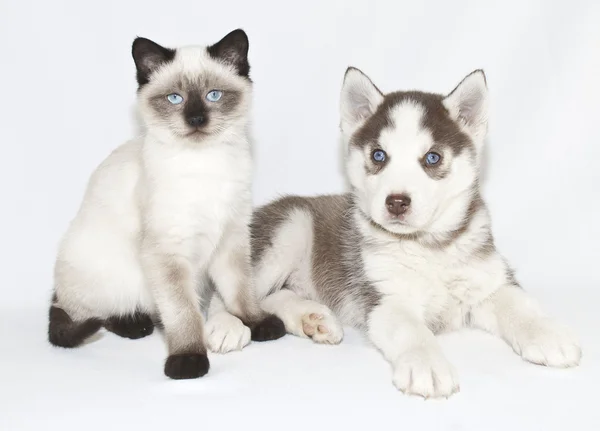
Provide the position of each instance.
(422, 111)
(406, 128)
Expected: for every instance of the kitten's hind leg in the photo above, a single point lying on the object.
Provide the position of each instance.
(132, 326)
(231, 273)
(304, 318)
(64, 331)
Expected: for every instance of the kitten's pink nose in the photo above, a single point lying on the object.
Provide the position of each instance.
(397, 204)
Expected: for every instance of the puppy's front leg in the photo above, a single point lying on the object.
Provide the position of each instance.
(418, 364)
(172, 281)
(516, 317)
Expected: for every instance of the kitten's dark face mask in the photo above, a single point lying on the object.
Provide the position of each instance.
(197, 106)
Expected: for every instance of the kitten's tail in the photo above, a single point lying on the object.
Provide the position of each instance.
(64, 332)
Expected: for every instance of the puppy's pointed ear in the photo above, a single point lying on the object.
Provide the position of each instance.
(359, 99)
(468, 103)
(233, 51)
(148, 57)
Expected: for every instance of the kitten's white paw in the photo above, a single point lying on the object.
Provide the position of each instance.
(225, 333)
(546, 343)
(322, 327)
(425, 373)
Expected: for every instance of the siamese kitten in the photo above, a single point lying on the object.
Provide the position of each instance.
(166, 216)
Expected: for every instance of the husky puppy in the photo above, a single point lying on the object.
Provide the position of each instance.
(167, 214)
(408, 252)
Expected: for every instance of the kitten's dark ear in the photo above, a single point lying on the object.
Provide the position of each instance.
(233, 50)
(148, 56)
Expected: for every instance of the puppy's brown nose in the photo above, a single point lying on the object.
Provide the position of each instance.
(397, 204)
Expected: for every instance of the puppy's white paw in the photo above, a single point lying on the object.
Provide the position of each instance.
(546, 343)
(322, 327)
(225, 333)
(425, 373)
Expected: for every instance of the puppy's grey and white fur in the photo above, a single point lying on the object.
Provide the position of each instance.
(408, 252)
(165, 216)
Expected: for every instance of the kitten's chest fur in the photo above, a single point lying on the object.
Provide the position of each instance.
(190, 195)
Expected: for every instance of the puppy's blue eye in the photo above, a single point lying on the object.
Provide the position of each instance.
(379, 156)
(432, 158)
(214, 95)
(175, 98)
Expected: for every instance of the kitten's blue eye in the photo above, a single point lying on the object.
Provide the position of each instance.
(214, 95)
(175, 98)
(379, 156)
(432, 158)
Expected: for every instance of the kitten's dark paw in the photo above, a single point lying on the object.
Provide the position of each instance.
(270, 328)
(186, 366)
(64, 332)
(133, 326)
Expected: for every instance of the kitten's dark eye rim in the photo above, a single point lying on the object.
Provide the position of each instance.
(432, 158)
(378, 155)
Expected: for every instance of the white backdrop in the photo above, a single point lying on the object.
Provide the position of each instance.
(69, 90)
(67, 99)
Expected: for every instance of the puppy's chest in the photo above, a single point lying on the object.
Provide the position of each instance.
(433, 280)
